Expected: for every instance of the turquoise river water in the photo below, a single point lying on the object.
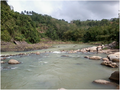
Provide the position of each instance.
(52, 71)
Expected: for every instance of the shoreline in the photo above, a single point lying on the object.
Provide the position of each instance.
(24, 46)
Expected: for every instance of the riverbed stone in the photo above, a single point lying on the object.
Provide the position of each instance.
(2, 58)
(86, 56)
(92, 49)
(115, 76)
(114, 57)
(95, 57)
(62, 89)
(2, 62)
(100, 81)
(110, 64)
(13, 61)
(64, 56)
(105, 59)
(37, 53)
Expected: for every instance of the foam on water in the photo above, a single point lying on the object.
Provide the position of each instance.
(56, 52)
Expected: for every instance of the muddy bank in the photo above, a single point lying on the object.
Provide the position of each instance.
(24, 46)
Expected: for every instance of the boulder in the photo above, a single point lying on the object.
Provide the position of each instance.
(100, 81)
(105, 59)
(99, 48)
(115, 76)
(12, 61)
(37, 53)
(110, 64)
(95, 57)
(2, 62)
(83, 50)
(114, 57)
(113, 44)
(86, 56)
(3, 58)
(93, 48)
(64, 56)
(62, 89)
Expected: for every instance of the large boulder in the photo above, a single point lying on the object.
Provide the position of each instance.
(13, 61)
(110, 64)
(114, 57)
(115, 76)
(113, 44)
(95, 57)
(100, 81)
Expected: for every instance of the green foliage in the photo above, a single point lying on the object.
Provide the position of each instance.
(5, 35)
(31, 26)
(16, 26)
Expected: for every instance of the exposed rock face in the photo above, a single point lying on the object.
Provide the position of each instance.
(100, 81)
(110, 64)
(113, 44)
(115, 76)
(12, 61)
(95, 57)
(114, 57)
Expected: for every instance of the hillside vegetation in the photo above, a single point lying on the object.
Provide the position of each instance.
(30, 26)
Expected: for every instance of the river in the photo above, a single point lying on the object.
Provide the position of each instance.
(53, 71)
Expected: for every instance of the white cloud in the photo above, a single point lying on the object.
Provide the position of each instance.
(69, 10)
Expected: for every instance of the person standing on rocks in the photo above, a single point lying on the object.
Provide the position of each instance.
(97, 49)
(100, 47)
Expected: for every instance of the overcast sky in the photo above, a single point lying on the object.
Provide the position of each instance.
(69, 9)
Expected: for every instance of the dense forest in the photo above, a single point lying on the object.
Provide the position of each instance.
(30, 26)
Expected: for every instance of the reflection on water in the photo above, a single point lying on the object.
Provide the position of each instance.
(53, 71)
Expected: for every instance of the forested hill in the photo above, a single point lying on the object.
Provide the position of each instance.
(31, 27)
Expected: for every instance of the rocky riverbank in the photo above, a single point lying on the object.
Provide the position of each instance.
(24, 46)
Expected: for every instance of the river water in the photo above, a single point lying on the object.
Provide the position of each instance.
(53, 71)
